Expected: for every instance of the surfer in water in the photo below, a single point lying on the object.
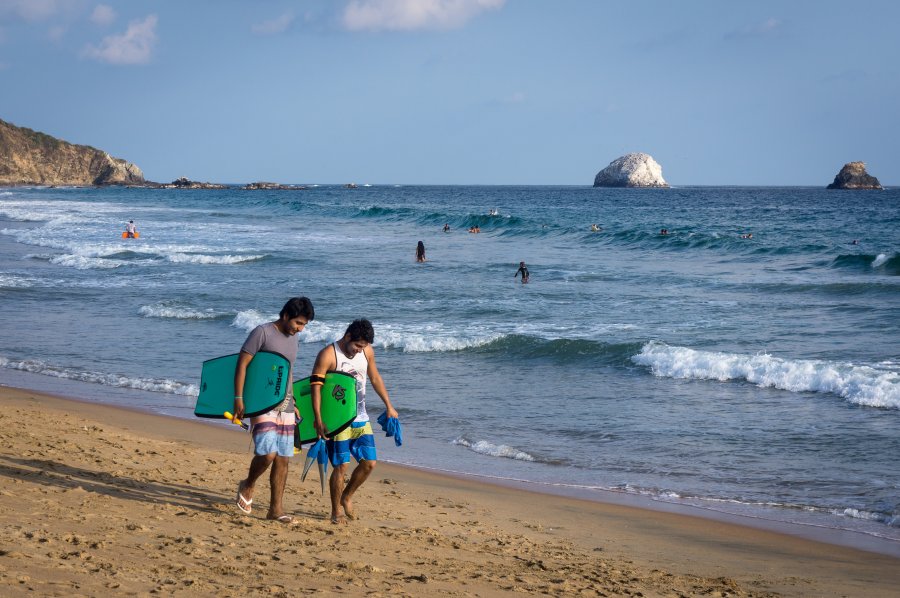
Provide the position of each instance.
(524, 271)
(273, 432)
(351, 354)
(420, 252)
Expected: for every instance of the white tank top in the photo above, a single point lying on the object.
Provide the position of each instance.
(358, 367)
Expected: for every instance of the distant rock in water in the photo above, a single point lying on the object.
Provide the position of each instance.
(30, 157)
(854, 176)
(631, 170)
(264, 186)
(186, 183)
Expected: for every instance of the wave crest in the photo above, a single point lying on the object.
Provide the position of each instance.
(484, 447)
(861, 385)
(178, 312)
(194, 258)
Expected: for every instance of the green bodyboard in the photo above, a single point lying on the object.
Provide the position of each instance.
(338, 406)
(265, 386)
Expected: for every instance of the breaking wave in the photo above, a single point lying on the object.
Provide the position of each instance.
(191, 258)
(484, 447)
(858, 384)
(178, 312)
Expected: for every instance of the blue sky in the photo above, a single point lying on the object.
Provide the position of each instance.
(462, 91)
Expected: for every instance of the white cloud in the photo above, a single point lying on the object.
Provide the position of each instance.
(769, 27)
(135, 46)
(408, 15)
(32, 10)
(56, 33)
(103, 15)
(274, 26)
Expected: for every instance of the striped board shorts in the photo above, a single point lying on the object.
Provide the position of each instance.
(357, 440)
(273, 432)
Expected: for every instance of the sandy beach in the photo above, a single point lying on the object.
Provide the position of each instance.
(98, 500)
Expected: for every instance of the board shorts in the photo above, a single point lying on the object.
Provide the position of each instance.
(273, 432)
(357, 440)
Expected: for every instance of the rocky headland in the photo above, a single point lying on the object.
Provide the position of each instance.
(631, 170)
(854, 176)
(30, 157)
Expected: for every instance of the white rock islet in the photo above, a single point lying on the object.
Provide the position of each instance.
(631, 170)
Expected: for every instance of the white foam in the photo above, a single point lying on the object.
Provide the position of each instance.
(150, 384)
(163, 310)
(484, 447)
(879, 260)
(867, 516)
(10, 281)
(250, 319)
(431, 338)
(426, 338)
(859, 384)
(188, 258)
(81, 262)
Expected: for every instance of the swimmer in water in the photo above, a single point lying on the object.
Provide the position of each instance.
(524, 270)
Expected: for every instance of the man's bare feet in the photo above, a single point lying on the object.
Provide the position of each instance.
(348, 509)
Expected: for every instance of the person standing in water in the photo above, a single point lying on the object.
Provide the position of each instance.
(351, 354)
(420, 252)
(130, 229)
(523, 269)
(273, 432)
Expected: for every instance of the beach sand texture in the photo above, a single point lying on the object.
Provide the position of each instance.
(97, 500)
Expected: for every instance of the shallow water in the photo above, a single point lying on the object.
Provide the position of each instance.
(756, 376)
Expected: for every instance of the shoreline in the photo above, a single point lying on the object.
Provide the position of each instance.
(102, 497)
(855, 539)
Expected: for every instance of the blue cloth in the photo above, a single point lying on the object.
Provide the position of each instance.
(391, 427)
(317, 452)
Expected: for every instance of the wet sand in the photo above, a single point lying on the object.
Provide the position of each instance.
(97, 500)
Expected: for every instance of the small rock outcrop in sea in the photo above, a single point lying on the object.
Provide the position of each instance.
(854, 176)
(263, 186)
(631, 170)
(30, 157)
(186, 183)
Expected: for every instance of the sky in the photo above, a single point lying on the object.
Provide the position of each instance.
(507, 92)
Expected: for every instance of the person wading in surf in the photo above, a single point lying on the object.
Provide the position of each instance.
(523, 269)
(273, 431)
(351, 354)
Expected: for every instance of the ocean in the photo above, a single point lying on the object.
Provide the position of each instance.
(754, 377)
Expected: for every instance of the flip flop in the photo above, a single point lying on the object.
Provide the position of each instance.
(282, 519)
(244, 505)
